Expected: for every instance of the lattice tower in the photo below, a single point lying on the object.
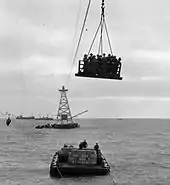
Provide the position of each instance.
(64, 112)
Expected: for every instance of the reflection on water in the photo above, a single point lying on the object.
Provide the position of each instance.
(137, 150)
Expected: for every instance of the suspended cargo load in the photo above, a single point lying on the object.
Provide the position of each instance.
(99, 65)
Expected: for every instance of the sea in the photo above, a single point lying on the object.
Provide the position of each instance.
(138, 151)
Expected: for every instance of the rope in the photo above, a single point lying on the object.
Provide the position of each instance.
(74, 59)
(75, 32)
(101, 38)
(108, 37)
(102, 24)
(112, 180)
(94, 38)
(59, 172)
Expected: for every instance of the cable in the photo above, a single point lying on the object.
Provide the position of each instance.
(94, 38)
(59, 172)
(79, 40)
(101, 38)
(76, 26)
(108, 37)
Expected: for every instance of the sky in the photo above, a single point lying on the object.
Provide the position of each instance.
(38, 39)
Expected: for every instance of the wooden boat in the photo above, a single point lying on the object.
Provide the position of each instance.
(71, 161)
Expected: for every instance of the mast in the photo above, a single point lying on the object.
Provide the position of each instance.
(64, 112)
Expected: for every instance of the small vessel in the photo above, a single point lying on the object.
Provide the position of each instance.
(25, 117)
(64, 118)
(8, 121)
(44, 118)
(71, 161)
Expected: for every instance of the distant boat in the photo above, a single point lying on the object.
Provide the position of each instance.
(8, 121)
(44, 118)
(25, 117)
(72, 161)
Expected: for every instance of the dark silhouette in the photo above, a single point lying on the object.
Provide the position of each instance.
(100, 66)
(96, 147)
(8, 121)
(83, 144)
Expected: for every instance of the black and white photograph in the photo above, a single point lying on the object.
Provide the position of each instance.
(85, 92)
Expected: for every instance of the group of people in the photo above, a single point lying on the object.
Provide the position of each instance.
(96, 147)
(100, 65)
(84, 144)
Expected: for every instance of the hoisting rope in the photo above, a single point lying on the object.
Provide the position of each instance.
(84, 22)
(101, 39)
(94, 38)
(108, 37)
(102, 26)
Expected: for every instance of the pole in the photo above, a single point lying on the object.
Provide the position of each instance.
(79, 113)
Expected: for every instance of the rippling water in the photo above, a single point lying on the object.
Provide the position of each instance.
(138, 151)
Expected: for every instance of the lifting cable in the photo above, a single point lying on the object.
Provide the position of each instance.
(74, 59)
(102, 26)
(101, 39)
(94, 38)
(108, 37)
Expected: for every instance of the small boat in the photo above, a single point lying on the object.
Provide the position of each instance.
(25, 117)
(66, 125)
(8, 121)
(59, 126)
(71, 161)
(44, 118)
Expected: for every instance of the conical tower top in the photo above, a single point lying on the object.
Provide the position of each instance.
(63, 89)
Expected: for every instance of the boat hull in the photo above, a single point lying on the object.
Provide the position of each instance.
(59, 126)
(66, 126)
(59, 171)
(44, 119)
(25, 118)
(65, 169)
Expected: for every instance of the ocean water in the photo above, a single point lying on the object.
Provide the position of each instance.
(138, 151)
